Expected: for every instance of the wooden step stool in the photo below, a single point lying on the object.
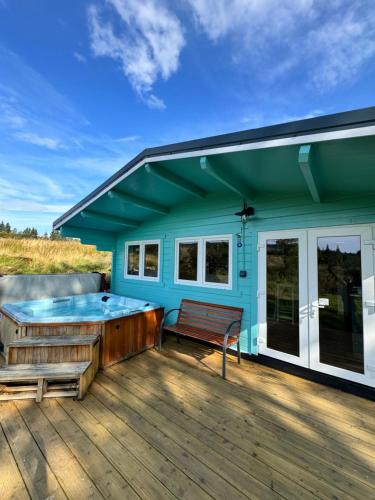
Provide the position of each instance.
(54, 349)
(31, 359)
(45, 380)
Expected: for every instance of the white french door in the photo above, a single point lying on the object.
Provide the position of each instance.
(282, 296)
(316, 305)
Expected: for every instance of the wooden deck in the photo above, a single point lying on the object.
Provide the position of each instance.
(167, 426)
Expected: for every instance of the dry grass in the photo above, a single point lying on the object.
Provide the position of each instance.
(23, 256)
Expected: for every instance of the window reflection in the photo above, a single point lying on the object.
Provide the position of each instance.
(217, 261)
(283, 296)
(133, 260)
(151, 260)
(340, 317)
(188, 261)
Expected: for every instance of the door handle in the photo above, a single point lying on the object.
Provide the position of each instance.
(323, 302)
(313, 308)
(312, 311)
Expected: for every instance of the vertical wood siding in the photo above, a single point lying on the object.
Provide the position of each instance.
(214, 216)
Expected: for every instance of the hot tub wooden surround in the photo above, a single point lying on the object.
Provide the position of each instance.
(121, 338)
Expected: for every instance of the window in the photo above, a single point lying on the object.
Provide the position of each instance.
(142, 260)
(204, 261)
(133, 260)
(188, 261)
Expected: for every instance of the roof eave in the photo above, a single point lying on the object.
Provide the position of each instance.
(339, 121)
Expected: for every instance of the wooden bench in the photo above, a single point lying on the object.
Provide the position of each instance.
(44, 380)
(216, 324)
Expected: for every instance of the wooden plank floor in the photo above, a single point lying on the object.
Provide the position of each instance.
(167, 426)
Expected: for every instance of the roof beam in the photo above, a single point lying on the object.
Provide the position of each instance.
(90, 214)
(175, 180)
(305, 164)
(138, 202)
(231, 183)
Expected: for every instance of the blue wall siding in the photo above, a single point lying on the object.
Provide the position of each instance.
(214, 216)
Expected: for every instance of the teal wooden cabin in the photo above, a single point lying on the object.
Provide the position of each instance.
(302, 266)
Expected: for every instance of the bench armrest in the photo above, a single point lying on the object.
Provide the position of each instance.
(168, 313)
(227, 333)
(163, 322)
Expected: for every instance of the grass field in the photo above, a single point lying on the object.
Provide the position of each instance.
(34, 256)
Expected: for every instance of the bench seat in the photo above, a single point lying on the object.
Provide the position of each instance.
(199, 333)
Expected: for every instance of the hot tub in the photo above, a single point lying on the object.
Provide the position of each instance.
(126, 325)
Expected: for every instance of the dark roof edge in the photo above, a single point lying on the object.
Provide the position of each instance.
(344, 120)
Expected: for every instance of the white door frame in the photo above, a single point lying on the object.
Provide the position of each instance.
(308, 305)
(301, 235)
(368, 290)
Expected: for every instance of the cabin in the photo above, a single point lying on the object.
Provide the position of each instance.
(279, 221)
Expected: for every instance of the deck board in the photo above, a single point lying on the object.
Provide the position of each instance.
(167, 426)
(63, 463)
(39, 479)
(11, 482)
(244, 435)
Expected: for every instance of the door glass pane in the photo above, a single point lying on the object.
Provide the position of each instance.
(340, 302)
(188, 261)
(217, 262)
(283, 296)
(151, 260)
(133, 260)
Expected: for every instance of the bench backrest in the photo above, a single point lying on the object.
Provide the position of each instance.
(211, 317)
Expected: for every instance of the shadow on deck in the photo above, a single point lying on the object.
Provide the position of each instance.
(167, 426)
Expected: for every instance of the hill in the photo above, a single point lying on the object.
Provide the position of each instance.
(36, 256)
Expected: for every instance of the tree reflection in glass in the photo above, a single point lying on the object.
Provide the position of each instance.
(341, 321)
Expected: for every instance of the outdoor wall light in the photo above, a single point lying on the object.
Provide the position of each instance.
(245, 213)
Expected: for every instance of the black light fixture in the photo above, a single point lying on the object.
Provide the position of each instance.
(245, 213)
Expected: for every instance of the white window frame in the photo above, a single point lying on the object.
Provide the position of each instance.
(201, 261)
(142, 244)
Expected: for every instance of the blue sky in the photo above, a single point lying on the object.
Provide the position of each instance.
(86, 85)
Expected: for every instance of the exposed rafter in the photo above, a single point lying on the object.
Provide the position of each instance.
(304, 161)
(103, 239)
(224, 178)
(138, 202)
(89, 214)
(175, 180)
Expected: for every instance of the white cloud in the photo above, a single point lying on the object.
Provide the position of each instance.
(128, 138)
(341, 46)
(31, 184)
(10, 116)
(327, 42)
(37, 140)
(219, 18)
(22, 205)
(145, 38)
(80, 57)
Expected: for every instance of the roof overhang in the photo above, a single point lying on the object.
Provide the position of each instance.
(167, 164)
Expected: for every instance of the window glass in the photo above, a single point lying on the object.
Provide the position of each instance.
(133, 260)
(283, 295)
(217, 262)
(151, 260)
(341, 317)
(188, 261)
